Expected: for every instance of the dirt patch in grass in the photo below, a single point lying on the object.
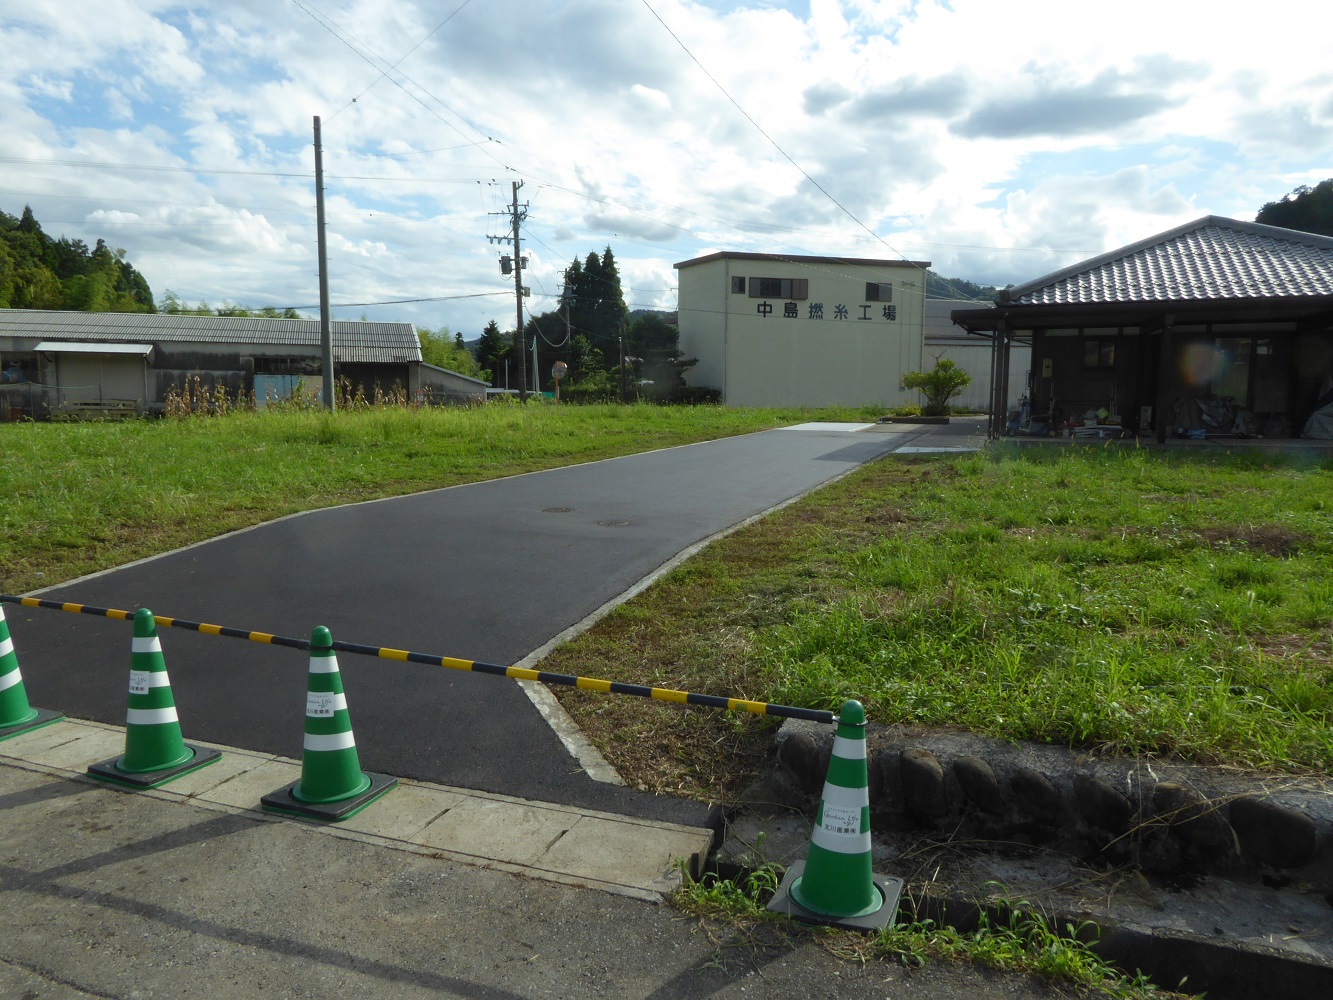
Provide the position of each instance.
(1270, 539)
(890, 515)
(1295, 648)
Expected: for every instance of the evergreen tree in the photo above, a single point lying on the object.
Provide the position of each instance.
(492, 350)
(610, 312)
(592, 301)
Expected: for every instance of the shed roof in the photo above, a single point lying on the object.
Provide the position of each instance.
(353, 342)
(1210, 259)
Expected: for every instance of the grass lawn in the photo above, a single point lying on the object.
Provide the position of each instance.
(80, 497)
(1143, 602)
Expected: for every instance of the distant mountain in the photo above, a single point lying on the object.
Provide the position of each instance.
(940, 287)
(669, 317)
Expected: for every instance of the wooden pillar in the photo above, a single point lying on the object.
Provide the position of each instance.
(1004, 339)
(1162, 415)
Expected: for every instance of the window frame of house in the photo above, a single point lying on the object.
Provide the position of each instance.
(738, 284)
(1098, 353)
(779, 288)
(879, 291)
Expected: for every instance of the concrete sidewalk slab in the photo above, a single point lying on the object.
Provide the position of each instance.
(573, 846)
(127, 895)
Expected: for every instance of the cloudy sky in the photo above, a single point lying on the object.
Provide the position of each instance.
(998, 140)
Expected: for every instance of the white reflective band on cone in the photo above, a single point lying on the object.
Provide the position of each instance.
(331, 741)
(8, 680)
(845, 798)
(323, 664)
(6, 646)
(149, 679)
(145, 644)
(150, 716)
(849, 749)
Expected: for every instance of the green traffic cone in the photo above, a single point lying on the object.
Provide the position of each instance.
(332, 784)
(155, 753)
(16, 715)
(835, 884)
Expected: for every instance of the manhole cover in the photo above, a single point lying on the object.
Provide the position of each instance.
(614, 524)
(557, 510)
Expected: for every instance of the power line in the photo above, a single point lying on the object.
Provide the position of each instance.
(395, 302)
(404, 56)
(329, 26)
(309, 175)
(774, 142)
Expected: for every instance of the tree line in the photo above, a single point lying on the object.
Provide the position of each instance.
(609, 351)
(38, 272)
(1308, 209)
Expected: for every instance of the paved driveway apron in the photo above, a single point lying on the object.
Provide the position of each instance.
(489, 572)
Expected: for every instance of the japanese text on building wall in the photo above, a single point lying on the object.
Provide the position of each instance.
(866, 311)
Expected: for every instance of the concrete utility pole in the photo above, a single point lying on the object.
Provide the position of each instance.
(519, 348)
(518, 300)
(624, 389)
(325, 332)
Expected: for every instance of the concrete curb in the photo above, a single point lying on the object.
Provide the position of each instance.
(1217, 878)
(1163, 817)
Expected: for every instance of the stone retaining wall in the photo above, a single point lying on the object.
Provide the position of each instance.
(1164, 817)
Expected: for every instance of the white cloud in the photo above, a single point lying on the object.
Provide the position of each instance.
(986, 137)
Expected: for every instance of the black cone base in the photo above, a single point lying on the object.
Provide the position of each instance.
(108, 771)
(282, 801)
(890, 889)
(44, 718)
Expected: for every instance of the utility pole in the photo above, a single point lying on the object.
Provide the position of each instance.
(325, 330)
(519, 347)
(623, 388)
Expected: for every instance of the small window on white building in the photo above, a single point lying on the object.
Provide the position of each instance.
(737, 285)
(879, 291)
(779, 288)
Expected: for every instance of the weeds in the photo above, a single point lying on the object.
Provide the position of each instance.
(1010, 935)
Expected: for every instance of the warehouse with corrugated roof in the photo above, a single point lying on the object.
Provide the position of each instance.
(55, 363)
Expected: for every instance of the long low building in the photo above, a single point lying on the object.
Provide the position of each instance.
(79, 364)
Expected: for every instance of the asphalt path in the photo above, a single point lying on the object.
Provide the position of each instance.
(489, 571)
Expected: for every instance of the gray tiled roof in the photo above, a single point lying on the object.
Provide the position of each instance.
(382, 343)
(1209, 259)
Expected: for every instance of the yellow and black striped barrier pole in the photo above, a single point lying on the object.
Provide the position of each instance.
(450, 662)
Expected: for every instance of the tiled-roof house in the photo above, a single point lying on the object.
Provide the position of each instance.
(54, 361)
(1215, 327)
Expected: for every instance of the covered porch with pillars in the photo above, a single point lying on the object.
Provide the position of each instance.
(1217, 328)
